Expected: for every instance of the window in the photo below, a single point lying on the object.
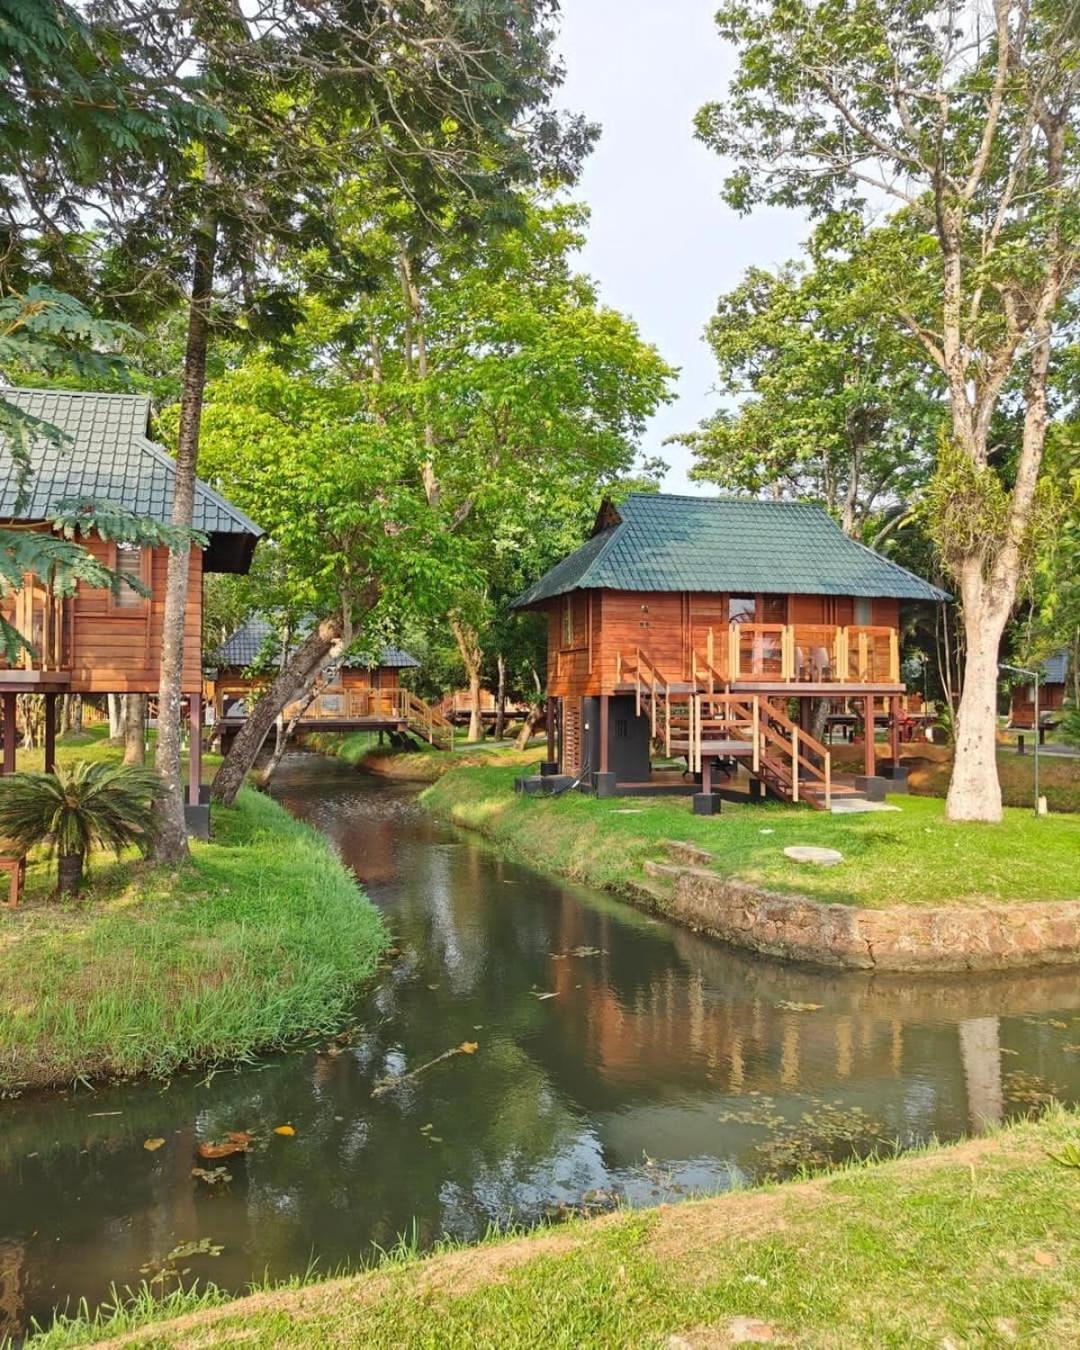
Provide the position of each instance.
(129, 566)
(568, 621)
(741, 608)
(775, 608)
(864, 611)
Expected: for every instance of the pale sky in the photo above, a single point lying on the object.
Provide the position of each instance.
(662, 245)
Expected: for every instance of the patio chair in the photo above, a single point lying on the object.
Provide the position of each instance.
(13, 862)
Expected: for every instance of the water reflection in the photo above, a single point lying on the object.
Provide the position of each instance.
(617, 1056)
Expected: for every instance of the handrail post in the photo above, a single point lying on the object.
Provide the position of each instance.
(794, 764)
(755, 722)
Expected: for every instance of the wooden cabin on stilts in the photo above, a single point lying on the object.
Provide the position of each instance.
(708, 630)
(357, 695)
(95, 642)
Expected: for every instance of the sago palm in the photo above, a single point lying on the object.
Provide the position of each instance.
(74, 809)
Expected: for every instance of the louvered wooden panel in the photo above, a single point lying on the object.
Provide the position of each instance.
(571, 735)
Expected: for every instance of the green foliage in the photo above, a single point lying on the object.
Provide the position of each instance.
(833, 401)
(81, 807)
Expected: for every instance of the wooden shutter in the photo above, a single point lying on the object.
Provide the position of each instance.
(571, 735)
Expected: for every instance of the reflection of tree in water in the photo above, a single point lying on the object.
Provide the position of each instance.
(12, 1260)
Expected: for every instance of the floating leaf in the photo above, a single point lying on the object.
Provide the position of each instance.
(224, 1148)
(287, 1130)
(537, 995)
(213, 1176)
(789, 1006)
(469, 1047)
(152, 1145)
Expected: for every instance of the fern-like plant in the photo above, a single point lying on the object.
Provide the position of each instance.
(78, 808)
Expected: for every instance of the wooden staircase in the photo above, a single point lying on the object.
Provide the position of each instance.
(689, 718)
(427, 722)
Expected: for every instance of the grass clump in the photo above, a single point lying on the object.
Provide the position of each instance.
(971, 1245)
(263, 936)
(911, 856)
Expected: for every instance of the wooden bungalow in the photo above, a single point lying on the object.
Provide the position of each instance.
(356, 696)
(696, 625)
(457, 707)
(95, 642)
(1053, 682)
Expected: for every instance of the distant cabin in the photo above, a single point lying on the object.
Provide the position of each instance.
(1053, 683)
(96, 642)
(359, 695)
(691, 623)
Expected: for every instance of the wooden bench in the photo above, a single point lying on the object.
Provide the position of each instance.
(13, 862)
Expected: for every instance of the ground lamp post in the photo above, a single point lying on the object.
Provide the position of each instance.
(1020, 670)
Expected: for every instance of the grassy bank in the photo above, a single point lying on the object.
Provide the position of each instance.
(911, 856)
(930, 767)
(422, 765)
(263, 936)
(976, 1244)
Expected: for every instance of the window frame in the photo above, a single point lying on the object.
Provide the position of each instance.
(138, 605)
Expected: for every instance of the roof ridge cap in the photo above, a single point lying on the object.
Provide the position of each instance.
(71, 393)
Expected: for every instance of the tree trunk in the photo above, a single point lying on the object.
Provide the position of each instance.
(974, 790)
(468, 645)
(532, 720)
(76, 714)
(500, 698)
(171, 841)
(324, 644)
(117, 718)
(285, 731)
(135, 729)
(69, 873)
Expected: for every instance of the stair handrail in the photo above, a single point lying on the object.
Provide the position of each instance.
(801, 738)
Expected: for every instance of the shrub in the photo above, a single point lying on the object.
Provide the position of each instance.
(76, 808)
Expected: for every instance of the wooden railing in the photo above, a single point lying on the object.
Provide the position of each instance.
(356, 705)
(789, 761)
(783, 653)
(43, 620)
(427, 721)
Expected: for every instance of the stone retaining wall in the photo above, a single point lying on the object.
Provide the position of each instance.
(900, 938)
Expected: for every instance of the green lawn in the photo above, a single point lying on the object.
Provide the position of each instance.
(910, 856)
(975, 1245)
(264, 935)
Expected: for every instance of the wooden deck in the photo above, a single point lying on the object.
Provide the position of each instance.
(363, 710)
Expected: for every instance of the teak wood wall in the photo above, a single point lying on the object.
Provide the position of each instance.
(667, 625)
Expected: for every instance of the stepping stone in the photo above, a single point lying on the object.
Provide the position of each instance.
(809, 853)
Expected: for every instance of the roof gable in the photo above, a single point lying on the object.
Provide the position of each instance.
(662, 542)
(107, 456)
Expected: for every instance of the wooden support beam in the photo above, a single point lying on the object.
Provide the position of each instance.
(195, 749)
(706, 773)
(894, 728)
(869, 764)
(10, 732)
(604, 702)
(549, 718)
(50, 733)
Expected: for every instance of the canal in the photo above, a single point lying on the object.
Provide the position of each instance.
(615, 1059)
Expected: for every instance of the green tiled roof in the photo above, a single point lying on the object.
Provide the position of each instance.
(257, 639)
(106, 455)
(659, 542)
